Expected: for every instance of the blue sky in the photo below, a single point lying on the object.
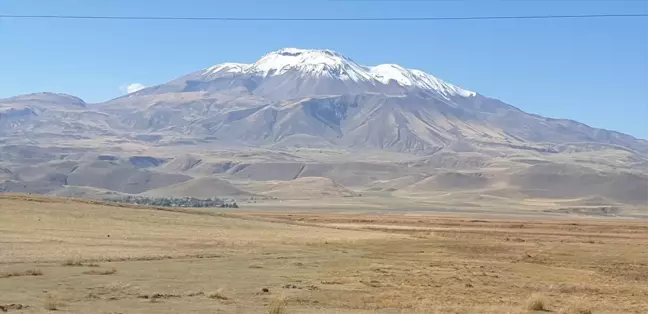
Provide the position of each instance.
(592, 71)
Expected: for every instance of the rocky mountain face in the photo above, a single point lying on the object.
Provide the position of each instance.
(318, 100)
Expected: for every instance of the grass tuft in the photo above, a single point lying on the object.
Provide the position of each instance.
(52, 303)
(278, 306)
(72, 262)
(218, 294)
(536, 302)
(578, 307)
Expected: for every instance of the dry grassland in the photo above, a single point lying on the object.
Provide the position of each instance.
(82, 257)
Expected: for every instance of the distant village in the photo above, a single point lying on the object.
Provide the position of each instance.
(175, 201)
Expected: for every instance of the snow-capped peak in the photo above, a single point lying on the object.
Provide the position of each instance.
(313, 62)
(328, 63)
(293, 57)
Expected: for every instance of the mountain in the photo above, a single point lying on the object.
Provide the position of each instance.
(318, 123)
(327, 99)
(51, 116)
(44, 101)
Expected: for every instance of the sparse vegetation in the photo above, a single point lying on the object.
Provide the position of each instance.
(72, 262)
(29, 272)
(218, 294)
(78, 262)
(33, 272)
(577, 307)
(12, 306)
(101, 272)
(536, 302)
(277, 306)
(195, 293)
(52, 303)
(175, 256)
(155, 296)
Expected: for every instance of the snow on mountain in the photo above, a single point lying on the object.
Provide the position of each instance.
(226, 68)
(310, 62)
(427, 81)
(388, 72)
(332, 65)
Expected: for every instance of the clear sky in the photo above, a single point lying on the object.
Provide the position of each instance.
(591, 70)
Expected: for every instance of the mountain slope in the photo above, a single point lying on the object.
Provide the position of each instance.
(206, 187)
(306, 188)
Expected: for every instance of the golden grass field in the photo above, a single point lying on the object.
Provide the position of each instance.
(71, 256)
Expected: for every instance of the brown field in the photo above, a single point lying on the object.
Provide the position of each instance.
(74, 256)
